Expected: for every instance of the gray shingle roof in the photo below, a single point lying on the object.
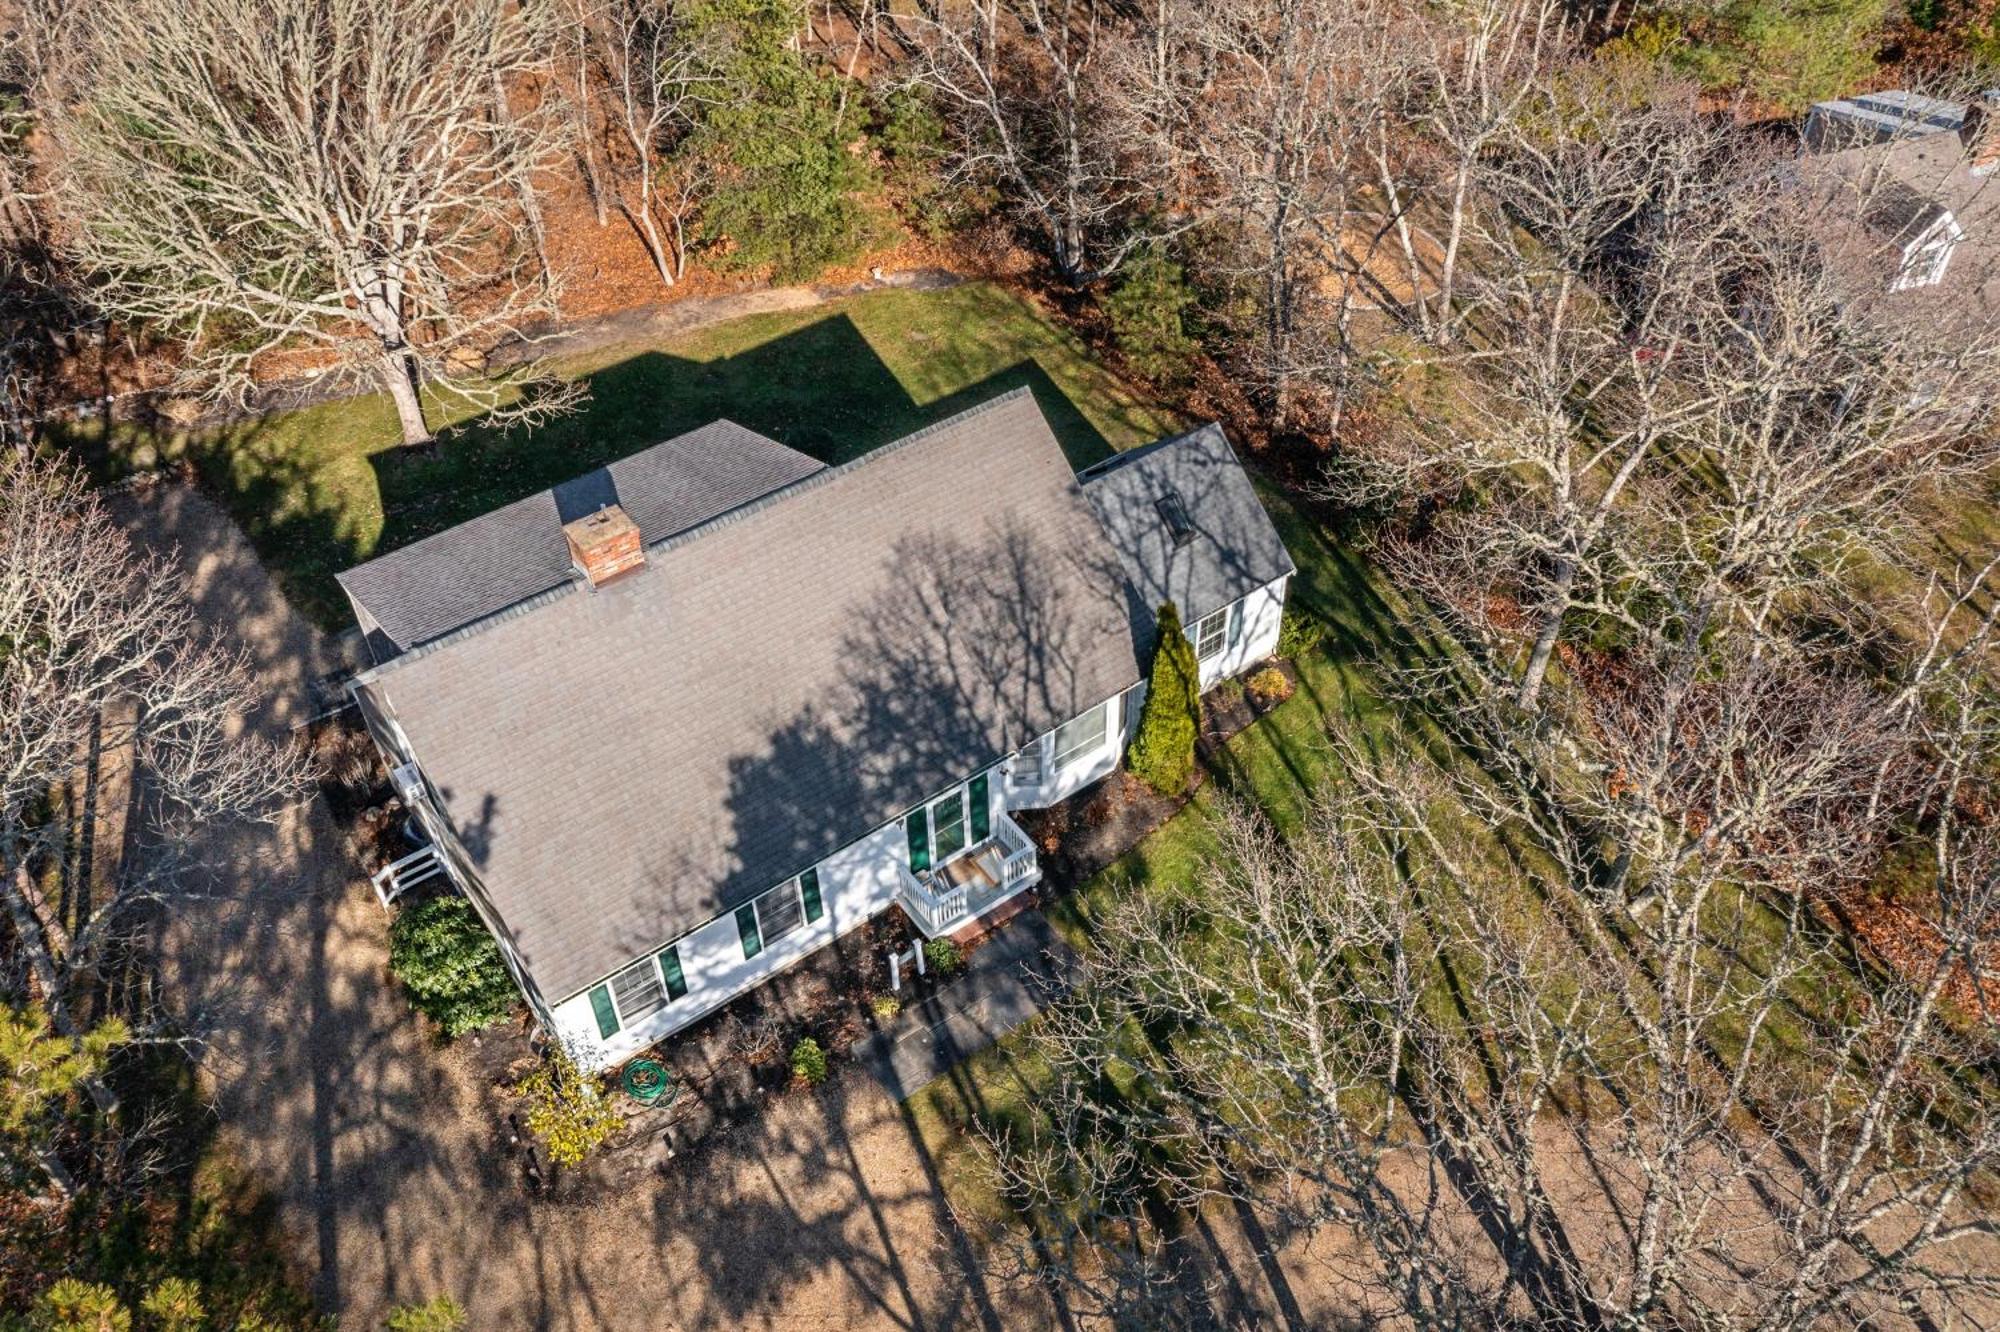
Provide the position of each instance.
(624, 764)
(1232, 548)
(431, 587)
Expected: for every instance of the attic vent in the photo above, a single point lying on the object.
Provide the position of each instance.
(604, 544)
(1175, 515)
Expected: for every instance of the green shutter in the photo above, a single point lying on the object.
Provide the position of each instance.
(670, 968)
(809, 893)
(918, 826)
(607, 1016)
(982, 808)
(746, 929)
(1235, 623)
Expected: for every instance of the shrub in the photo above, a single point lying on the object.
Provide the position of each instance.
(1162, 753)
(1147, 312)
(1229, 689)
(80, 1306)
(942, 956)
(1270, 685)
(1298, 634)
(790, 193)
(442, 953)
(566, 1110)
(886, 1006)
(174, 1305)
(440, 1314)
(809, 1062)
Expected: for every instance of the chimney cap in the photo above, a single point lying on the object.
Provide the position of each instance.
(604, 544)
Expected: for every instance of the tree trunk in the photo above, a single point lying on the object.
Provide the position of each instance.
(1545, 641)
(399, 377)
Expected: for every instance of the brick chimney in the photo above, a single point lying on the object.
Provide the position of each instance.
(1980, 134)
(605, 544)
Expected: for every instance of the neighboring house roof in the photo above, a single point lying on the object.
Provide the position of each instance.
(445, 582)
(1877, 117)
(1186, 523)
(1881, 199)
(623, 764)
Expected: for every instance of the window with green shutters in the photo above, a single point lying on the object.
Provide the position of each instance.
(809, 891)
(980, 807)
(670, 967)
(918, 826)
(746, 930)
(607, 1016)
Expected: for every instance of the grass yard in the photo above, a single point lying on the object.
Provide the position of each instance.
(1277, 763)
(322, 489)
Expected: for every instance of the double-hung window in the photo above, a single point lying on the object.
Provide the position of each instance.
(772, 915)
(1213, 633)
(1082, 735)
(639, 991)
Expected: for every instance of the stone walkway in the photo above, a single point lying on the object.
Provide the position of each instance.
(1007, 980)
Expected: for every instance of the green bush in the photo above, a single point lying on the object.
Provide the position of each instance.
(941, 956)
(442, 953)
(1270, 685)
(809, 1062)
(917, 146)
(789, 187)
(1162, 753)
(80, 1306)
(567, 1110)
(1147, 310)
(1298, 634)
(440, 1314)
(174, 1306)
(886, 1006)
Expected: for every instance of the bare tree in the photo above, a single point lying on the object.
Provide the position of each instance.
(1018, 81)
(1277, 141)
(652, 66)
(1670, 394)
(293, 174)
(104, 670)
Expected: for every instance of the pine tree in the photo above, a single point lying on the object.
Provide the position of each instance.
(1162, 753)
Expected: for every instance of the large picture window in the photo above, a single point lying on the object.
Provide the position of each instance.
(1082, 735)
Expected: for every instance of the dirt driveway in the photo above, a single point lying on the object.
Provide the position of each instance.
(827, 1213)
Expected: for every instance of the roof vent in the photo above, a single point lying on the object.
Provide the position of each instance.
(605, 544)
(1175, 515)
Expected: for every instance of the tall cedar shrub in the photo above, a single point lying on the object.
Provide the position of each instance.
(1162, 753)
(442, 953)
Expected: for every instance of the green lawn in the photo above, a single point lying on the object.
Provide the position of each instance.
(322, 489)
(1277, 763)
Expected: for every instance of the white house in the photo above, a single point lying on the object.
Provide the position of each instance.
(679, 722)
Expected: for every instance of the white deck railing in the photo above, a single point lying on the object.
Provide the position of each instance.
(1020, 864)
(937, 905)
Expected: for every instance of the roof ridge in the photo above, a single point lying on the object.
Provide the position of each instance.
(1106, 466)
(676, 539)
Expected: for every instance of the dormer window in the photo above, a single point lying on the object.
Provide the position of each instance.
(1927, 256)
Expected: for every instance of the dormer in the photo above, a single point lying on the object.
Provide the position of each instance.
(1927, 254)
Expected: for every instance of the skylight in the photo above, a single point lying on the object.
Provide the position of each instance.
(1175, 515)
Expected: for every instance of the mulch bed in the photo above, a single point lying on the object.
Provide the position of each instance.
(1080, 836)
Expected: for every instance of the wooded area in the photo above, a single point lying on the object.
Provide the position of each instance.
(1553, 1002)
